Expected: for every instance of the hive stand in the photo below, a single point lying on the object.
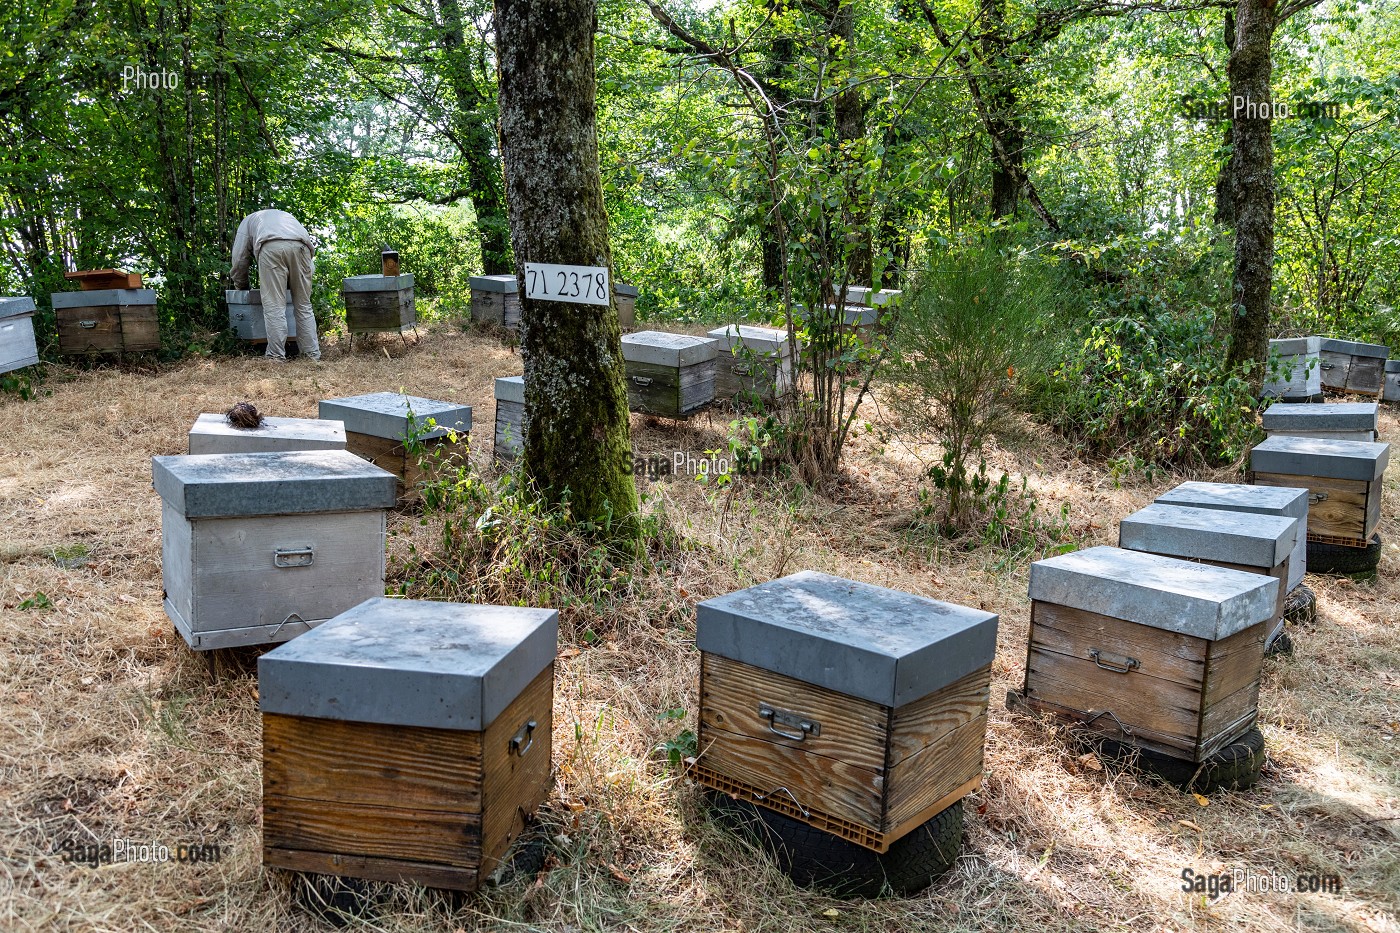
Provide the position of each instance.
(407, 741)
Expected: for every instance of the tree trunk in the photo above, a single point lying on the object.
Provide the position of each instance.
(1224, 181)
(576, 430)
(1251, 68)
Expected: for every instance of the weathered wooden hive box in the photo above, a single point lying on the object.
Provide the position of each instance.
(380, 304)
(17, 346)
(407, 740)
(668, 374)
(510, 417)
(245, 315)
(626, 298)
(854, 708)
(212, 434)
(1391, 392)
(1343, 480)
(1257, 500)
(259, 548)
(109, 320)
(1351, 366)
(1298, 372)
(1245, 541)
(378, 425)
(496, 300)
(752, 361)
(1336, 421)
(1159, 652)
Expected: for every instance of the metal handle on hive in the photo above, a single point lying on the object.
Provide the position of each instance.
(520, 742)
(1125, 666)
(293, 557)
(800, 725)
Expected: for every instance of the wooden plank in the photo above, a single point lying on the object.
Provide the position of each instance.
(373, 869)
(362, 830)
(853, 731)
(1342, 513)
(98, 279)
(817, 781)
(1228, 717)
(140, 328)
(918, 782)
(918, 725)
(516, 785)
(1373, 509)
(381, 451)
(372, 764)
(1075, 632)
(104, 335)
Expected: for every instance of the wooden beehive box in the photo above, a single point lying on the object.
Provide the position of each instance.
(668, 374)
(407, 740)
(1245, 541)
(1259, 500)
(626, 298)
(1338, 421)
(212, 434)
(112, 320)
(245, 315)
(17, 346)
(754, 362)
(854, 708)
(1343, 480)
(510, 418)
(1155, 651)
(258, 548)
(1297, 373)
(377, 426)
(496, 300)
(1391, 393)
(1351, 366)
(379, 304)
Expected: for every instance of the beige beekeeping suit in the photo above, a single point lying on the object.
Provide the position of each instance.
(283, 250)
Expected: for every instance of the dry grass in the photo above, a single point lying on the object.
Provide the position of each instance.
(109, 727)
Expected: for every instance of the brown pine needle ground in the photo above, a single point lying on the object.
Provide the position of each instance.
(111, 728)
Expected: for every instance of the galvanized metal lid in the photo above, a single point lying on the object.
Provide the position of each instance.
(377, 283)
(1315, 456)
(387, 415)
(766, 340)
(410, 662)
(495, 283)
(1296, 346)
(16, 307)
(288, 483)
(666, 349)
(1246, 538)
(1337, 416)
(273, 434)
(865, 641)
(1392, 366)
(510, 389)
(1238, 497)
(250, 296)
(860, 294)
(1163, 592)
(1354, 348)
(102, 297)
(622, 288)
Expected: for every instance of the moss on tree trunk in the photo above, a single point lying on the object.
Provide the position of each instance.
(576, 432)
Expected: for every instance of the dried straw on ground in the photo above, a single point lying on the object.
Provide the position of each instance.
(112, 729)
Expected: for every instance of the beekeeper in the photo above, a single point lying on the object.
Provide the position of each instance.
(283, 250)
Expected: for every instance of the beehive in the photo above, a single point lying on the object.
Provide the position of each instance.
(258, 548)
(1247, 541)
(510, 417)
(17, 346)
(872, 298)
(1392, 381)
(626, 298)
(496, 300)
(854, 708)
(668, 374)
(379, 304)
(407, 741)
(1351, 366)
(1259, 500)
(753, 362)
(1342, 421)
(1156, 651)
(1343, 480)
(245, 315)
(212, 434)
(1297, 374)
(110, 320)
(378, 425)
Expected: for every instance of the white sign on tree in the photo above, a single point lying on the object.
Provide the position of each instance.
(584, 285)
